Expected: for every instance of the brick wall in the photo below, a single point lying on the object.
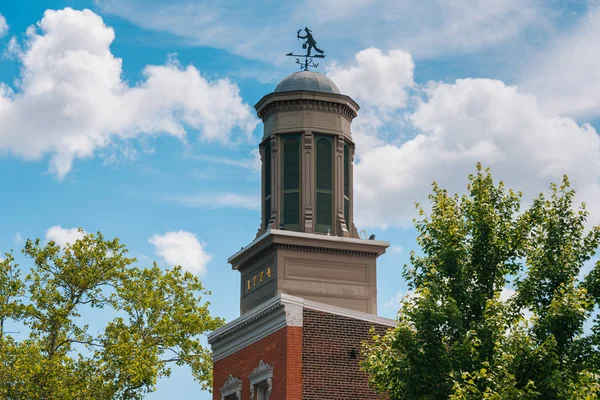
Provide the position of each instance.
(282, 350)
(328, 370)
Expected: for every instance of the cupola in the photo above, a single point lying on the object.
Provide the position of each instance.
(307, 154)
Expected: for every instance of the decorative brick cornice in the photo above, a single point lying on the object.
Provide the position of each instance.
(306, 104)
(243, 322)
(267, 318)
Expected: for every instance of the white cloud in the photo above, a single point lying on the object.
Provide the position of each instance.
(431, 27)
(506, 294)
(396, 249)
(61, 236)
(252, 162)
(18, 238)
(426, 28)
(394, 302)
(3, 26)
(72, 99)
(181, 248)
(465, 122)
(378, 79)
(565, 75)
(380, 82)
(218, 200)
(401, 295)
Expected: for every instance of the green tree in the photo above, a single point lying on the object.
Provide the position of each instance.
(158, 318)
(456, 339)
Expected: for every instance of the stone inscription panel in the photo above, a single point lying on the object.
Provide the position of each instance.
(258, 279)
(258, 282)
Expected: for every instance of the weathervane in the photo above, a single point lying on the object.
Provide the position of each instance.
(309, 45)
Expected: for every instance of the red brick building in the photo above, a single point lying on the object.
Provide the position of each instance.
(308, 289)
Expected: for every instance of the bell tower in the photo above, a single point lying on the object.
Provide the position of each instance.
(308, 287)
(307, 244)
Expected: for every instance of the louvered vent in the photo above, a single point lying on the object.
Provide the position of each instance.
(268, 170)
(347, 212)
(324, 165)
(291, 209)
(291, 184)
(291, 164)
(268, 178)
(346, 171)
(347, 186)
(324, 180)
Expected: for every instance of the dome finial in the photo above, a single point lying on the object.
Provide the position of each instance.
(309, 45)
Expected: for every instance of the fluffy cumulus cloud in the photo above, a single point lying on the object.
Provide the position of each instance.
(181, 248)
(3, 26)
(62, 236)
(397, 299)
(465, 122)
(71, 98)
(381, 82)
(565, 75)
(377, 78)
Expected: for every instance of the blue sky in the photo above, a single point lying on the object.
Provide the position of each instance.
(135, 118)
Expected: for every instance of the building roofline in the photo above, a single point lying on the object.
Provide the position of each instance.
(272, 315)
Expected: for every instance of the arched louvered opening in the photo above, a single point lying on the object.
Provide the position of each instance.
(291, 183)
(268, 188)
(324, 185)
(347, 185)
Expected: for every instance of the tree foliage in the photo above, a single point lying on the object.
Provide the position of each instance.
(155, 319)
(457, 339)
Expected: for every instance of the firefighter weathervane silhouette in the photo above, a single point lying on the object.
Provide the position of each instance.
(309, 45)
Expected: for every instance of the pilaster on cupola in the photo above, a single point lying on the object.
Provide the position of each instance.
(308, 187)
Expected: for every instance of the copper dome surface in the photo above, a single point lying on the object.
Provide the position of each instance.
(307, 80)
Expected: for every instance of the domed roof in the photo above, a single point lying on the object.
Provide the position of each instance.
(307, 80)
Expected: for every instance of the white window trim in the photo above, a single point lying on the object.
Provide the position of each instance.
(262, 373)
(232, 386)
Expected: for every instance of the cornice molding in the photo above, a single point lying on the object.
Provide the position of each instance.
(242, 322)
(256, 324)
(311, 249)
(306, 104)
(310, 242)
